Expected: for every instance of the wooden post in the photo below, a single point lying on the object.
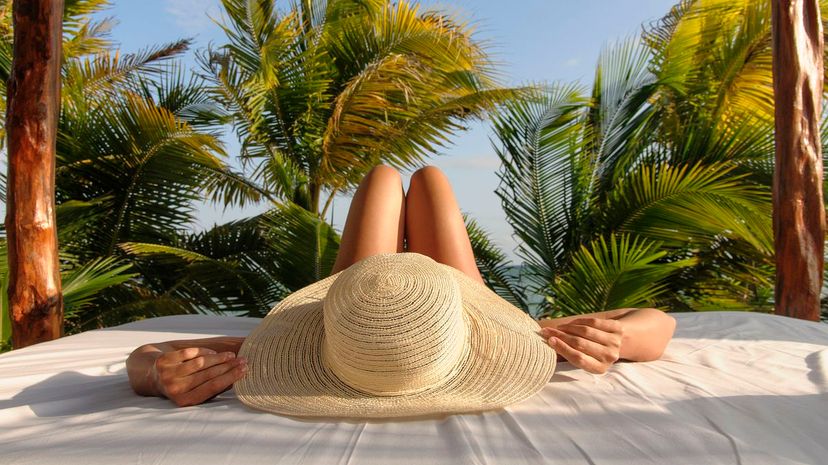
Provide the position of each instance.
(798, 212)
(33, 102)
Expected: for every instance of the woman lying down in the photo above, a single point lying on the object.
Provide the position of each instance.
(403, 327)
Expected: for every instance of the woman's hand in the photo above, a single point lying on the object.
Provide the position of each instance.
(592, 344)
(188, 372)
(193, 375)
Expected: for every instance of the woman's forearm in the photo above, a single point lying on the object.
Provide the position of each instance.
(646, 331)
(646, 334)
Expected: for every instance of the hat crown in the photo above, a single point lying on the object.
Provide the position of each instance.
(394, 325)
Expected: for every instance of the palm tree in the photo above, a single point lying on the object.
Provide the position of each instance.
(137, 145)
(653, 188)
(317, 96)
(321, 93)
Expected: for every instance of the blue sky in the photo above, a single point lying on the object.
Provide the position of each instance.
(534, 40)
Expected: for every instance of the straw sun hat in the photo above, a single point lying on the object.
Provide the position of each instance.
(394, 335)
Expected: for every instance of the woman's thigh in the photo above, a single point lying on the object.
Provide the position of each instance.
(434, 225)
(376, 219)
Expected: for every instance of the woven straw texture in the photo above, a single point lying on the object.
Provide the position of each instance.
(395, 335)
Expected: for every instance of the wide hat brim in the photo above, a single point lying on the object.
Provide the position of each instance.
(507, 361)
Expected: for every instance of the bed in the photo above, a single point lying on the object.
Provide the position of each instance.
(731, 388)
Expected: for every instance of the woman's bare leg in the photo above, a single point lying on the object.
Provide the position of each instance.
(434, 225)
(376, 219)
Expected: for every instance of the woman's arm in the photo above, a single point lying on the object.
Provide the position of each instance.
(188, 372)
(595, 341)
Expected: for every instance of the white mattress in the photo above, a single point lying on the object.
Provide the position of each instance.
(731, 388)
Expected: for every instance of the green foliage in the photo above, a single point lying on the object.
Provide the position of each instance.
(665, 165)
(224, 269)
(317, 95)
(321, 93)
(304, 246)
(497, 272)
(652, 187)
(613, 273)
(81, 285)
(242, 267)
(137, 145)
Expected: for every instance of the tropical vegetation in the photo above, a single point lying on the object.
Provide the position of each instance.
(306, 92)
(653, 186)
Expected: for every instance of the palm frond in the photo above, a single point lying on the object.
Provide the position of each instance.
(617, 272)
(545, 180)
(306, 246)
(322, 92)
(146, 161)
(684, 205)
(227, 268)
(716, 97)
(498, 273)
(109, 73)
(620, 112)
(83, 34)
(81, 285)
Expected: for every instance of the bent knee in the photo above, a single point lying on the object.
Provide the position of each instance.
(384, 174)
(428, 174)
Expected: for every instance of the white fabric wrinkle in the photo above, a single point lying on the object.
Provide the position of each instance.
(584, 454)
(304, 445)
(351, 447)
(730, 440)
(522, 436)
(458, 425)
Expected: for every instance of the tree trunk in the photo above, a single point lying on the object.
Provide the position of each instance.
(798, 212)
(33, 100)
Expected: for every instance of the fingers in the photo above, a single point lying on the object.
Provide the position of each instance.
(593, 344)
(178, 356)
(577, 358)
(213, 386)
(192, 375)
(583, 345)
(591, 333)
(214, 371)
(602, 324)
(202, 362)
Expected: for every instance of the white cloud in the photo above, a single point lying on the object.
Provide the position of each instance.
(193, 16)
(572, 62)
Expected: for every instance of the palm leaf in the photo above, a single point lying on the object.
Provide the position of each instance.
(322, 92)
(691, 205)
(618, 272)
(498, 273)
(306, 246)
(620, 114)
(228, 268)
(81, 285)
(545, 179)
(141, 157)
(107, 73)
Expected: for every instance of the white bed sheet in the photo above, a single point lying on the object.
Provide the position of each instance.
(731, 388)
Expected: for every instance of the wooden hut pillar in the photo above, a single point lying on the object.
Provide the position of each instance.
(33, 101)
(798, 211)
